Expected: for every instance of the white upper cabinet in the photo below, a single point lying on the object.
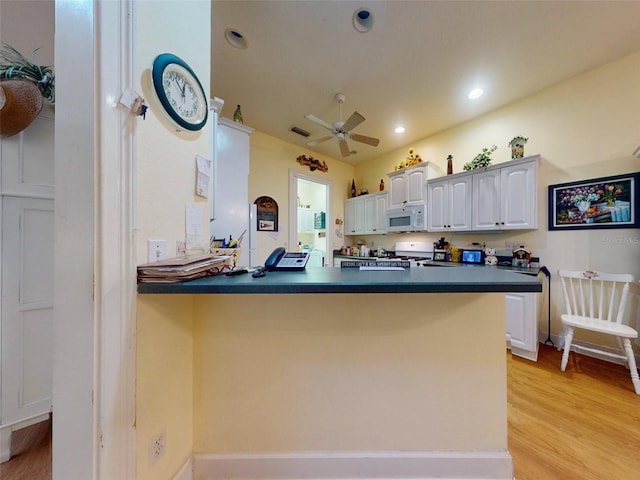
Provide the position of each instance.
(449, 203)
(365, 215)
(408, 185)
(505, 197)
(353, 216)
(306, 220)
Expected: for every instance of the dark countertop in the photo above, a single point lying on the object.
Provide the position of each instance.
(464, 279)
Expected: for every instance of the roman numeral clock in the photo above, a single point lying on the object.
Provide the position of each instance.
(180, 92)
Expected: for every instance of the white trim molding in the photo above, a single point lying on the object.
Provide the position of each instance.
(186, 472)
(355, 465)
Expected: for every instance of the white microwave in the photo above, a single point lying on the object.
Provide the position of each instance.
(406, 219)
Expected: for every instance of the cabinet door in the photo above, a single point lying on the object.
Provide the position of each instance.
(437, 206)
(522, 324)
(486, 200)
(381, 213)
(459, 203)
(398, 190)
(519, 196)
(370, 214)
(416, 185)
(354, 216)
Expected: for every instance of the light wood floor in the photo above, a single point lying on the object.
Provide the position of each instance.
(31, 450)
(583, 424)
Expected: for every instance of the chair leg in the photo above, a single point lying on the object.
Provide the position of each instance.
(632, 365)
(568, 338)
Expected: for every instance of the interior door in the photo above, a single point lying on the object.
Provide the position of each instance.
(311, 196)
(27, 307)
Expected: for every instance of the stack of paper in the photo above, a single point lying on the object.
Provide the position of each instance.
(181, 269)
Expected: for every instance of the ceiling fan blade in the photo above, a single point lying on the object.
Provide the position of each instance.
(320, 122)
(344, 148)
(364, 139)
(312, 143)
(353, 121)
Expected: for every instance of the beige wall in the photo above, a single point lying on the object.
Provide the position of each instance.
(35, 29)
(349, 373)
(164, 385)
(165, 177)
(586, 127)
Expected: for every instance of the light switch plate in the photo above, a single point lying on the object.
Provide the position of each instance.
(156, 250)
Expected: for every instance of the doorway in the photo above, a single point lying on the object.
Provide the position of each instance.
(309, 214)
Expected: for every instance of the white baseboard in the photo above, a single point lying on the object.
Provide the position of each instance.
(558, 341)
(492, 465)
(5, 444)
(6, 431)
(186, 472)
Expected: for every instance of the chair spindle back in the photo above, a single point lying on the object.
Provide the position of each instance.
(589, 293)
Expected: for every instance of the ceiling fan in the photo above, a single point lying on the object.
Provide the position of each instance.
(342, 130)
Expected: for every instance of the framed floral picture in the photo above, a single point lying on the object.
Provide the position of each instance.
(607, 202)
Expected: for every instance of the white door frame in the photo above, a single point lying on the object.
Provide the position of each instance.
(294, 175)
(94, 294)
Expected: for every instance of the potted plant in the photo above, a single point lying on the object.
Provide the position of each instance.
(23, 84)
(482, 160)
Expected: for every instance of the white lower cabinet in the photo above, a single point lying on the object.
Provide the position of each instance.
(522, 324)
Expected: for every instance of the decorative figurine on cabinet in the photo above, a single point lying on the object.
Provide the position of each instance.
(490, 256)
(517, 147)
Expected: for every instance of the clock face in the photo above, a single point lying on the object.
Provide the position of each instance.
(179, 92)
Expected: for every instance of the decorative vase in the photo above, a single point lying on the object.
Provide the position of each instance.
(611, 202)
(517, 147)
(583, 206)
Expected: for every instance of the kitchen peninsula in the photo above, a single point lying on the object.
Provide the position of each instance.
(390, 374)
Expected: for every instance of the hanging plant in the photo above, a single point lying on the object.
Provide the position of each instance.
(14, 65)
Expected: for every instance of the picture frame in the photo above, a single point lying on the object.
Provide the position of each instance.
(605, 202)
(267, 214)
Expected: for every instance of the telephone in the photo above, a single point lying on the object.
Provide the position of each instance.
(283, 260)
(280, 259)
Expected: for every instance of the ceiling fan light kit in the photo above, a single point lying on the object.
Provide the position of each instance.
(341, 130)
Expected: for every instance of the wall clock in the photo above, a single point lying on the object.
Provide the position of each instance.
(180, 92)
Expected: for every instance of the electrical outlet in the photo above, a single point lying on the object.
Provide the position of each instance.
(155, 250)
(157, 446)
(508, 244)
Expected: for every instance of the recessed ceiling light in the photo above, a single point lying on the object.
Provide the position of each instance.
(399, 130)
(475, 93)
(235, 38)
(363, 20)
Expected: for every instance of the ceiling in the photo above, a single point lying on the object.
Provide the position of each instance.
(414, 67)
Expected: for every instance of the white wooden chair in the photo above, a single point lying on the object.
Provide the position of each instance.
(596, 301)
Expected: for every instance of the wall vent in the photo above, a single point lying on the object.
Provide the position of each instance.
(300, 131)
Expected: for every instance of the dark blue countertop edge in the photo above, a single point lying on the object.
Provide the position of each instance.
(350, 281)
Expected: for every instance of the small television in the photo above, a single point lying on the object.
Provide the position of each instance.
(472, 256)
